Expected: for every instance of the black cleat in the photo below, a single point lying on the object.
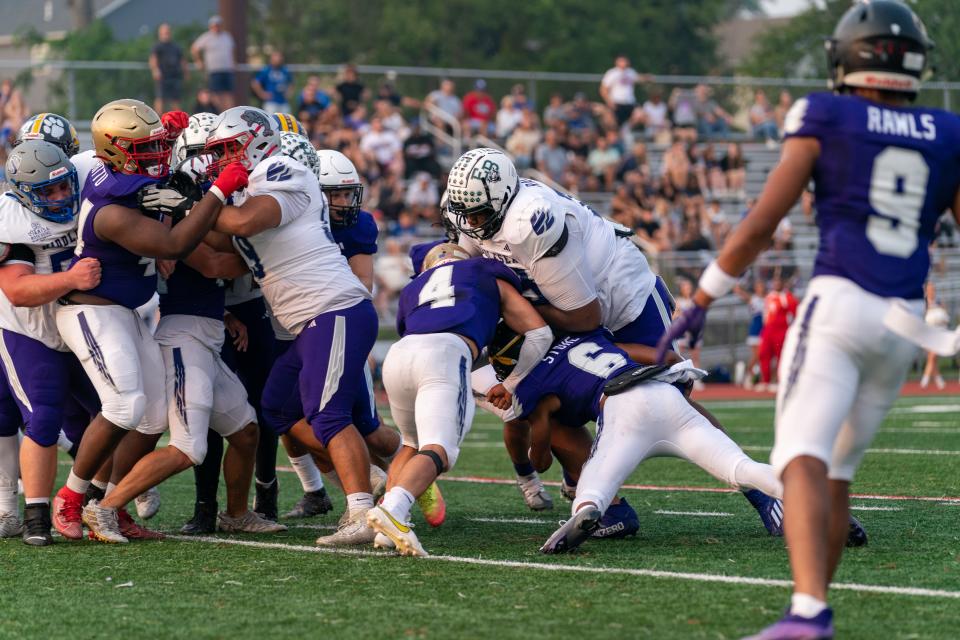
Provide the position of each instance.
(204, 520)
(36, 525)
(265, 500)
(93, 493)
(313, 503)
(857, 535)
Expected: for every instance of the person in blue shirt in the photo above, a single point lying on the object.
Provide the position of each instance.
(884, 172)
(273, 85)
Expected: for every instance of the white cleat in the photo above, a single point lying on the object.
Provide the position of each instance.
(534, 493)
(102, 522)
(402, 535)
(148, 503)
(354, 531)
(383, 542)
(249, 522)
(10, 525)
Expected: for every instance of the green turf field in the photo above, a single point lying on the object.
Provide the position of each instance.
(684, 576)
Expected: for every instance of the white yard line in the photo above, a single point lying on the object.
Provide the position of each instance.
(702, 514)
(514, 520)
(901, 452)
(572, 568)
(860, 507)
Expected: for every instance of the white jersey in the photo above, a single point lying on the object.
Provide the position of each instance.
(51, 245)
(297, 264)
(84, 161)
(571, 253)
(242, 289)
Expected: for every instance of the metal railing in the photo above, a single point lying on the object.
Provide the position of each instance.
(452, 139)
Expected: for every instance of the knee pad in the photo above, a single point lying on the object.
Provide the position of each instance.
(125, 409)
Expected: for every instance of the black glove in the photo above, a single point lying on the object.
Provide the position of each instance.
(165, 200)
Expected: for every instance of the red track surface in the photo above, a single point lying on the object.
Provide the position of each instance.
(733, 392)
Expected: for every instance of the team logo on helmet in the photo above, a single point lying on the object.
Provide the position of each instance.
(257, 118)
(488, 171)
(54, 126)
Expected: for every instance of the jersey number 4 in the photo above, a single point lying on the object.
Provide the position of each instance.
(898, 188)
(438, 292)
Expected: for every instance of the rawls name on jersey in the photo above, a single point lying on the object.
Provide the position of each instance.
(900, 124)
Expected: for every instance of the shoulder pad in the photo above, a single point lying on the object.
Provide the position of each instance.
(279, 173)
(535, 229)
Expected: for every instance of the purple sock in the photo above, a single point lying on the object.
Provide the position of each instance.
(523, 468)
(570, 482)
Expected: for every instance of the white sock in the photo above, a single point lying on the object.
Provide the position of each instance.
(266, 484)
(109, 489)
(397, 502)
(9, 472)
(805, 605)
(99, 484)
(331, 477)
(308, 472)
(30, 501)
(76, 483)
(64, 443)
(359, 502)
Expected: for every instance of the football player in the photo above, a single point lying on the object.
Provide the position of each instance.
(39, 232)
(280, 227)
(884, 173)
(445, 317)
(203, 394)
(100, 325)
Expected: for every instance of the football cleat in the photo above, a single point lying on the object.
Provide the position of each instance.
(791, 627)
(313, 503)
(378, 482)
(534, 494)
(204, 520)
(857, 535)
(103, 523)
(352, 532)
(567, 491)
(573, 532)
(770, 510)
(134, 531)
(249, 522)
(619, 521)
(401, 533)
(148, 503)
(265, 499)
(383, 542)
(67, 509)
(10, 524)
(36, 525)
(433, 506)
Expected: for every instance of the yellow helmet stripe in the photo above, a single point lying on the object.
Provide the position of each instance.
(38, 122)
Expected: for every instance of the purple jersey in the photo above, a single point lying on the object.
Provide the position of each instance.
(459, 297)
(884, 176)
(575, 370)
(358, 238)
(128, 280)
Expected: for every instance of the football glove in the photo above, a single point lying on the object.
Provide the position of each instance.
(165, 200)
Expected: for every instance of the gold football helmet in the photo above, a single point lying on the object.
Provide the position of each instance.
(442, 254)
(128, 135)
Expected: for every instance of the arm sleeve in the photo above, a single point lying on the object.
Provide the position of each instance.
(536, 343)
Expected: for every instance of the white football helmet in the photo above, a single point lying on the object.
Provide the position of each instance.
(482, 182)
(294, 145)
(337, 173)
(242, 134)
(192, 140)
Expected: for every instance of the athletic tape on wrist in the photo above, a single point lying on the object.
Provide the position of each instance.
(215, 190)
(716, 282)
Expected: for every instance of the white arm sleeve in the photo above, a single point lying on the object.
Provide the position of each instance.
(536, 343)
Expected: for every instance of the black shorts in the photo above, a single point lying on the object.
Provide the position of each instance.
(169, 89)
(220, 81)
(622, 112)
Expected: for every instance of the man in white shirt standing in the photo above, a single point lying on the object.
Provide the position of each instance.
(617, 88)
(213, 52)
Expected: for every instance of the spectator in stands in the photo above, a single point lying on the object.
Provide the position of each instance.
(168, 66)
(213, 52)
(550, 158)
(13, 108)
(392, 273)
(692, 238)
(580, 113)
(508, 117)
(391, 118)
(677, 170)
(715, 178)
(404, 227)
(636, 161)
(524, 140)
(651, 229)
(734, 166)
(274, 85)
(519, 94)
(388, 91)
(445, 99)
(479, 110)
(617, 88)
(603, 161)
(780, 308)
(763, 122)
(783, 106)
(556, 111)
(655, 117)
(313, 102)
(420, 153)
(204, 102)
(718, 222)
(712, 120)
(423, 197)
(684, 113)
(382, 147)
(936, 316)
(351, 92)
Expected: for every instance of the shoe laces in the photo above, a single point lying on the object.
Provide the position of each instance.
(531, 487)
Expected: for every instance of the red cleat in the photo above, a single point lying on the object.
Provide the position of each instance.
(67, 507)
(433, 505)
(132, 531)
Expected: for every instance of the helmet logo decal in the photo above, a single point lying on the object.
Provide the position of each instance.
(257, 119)
(53, 126)
(488, 171)
(895, 29)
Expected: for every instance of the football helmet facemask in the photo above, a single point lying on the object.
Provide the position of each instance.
(44, 180)
(337, 175)
(242, 134)
(128, 135)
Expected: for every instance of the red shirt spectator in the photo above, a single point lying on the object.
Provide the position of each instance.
(479, 108)
(779, 308)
